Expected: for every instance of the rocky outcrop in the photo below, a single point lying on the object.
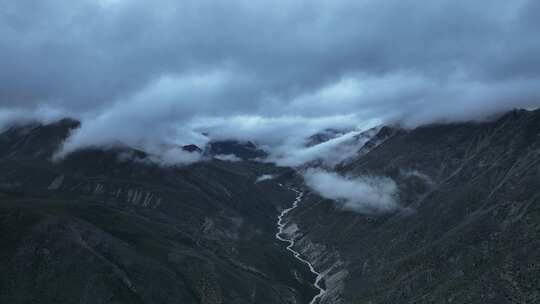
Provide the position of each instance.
(325, 260)
(328, 262)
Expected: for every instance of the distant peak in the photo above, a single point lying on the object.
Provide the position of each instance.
(192, 148)
(245, 150)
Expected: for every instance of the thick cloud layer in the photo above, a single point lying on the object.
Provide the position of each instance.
(160, 72)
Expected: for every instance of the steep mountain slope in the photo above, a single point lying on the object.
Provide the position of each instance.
(108, 226)
(468, 230)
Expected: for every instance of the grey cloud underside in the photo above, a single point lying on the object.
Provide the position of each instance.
(134, 71)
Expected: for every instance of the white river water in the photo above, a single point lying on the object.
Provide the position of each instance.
(280, 236)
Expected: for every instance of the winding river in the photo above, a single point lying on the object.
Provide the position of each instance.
(280, 236)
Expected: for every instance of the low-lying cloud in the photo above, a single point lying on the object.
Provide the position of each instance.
(264, 177)
(228, 157)
(167, 157)
(364, 194)
(329, 153)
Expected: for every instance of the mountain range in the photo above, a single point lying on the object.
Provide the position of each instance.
(112, 226)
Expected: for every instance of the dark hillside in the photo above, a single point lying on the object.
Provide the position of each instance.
(100, 227)
(470, 228)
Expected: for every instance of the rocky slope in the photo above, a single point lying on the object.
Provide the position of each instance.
(108, 226)
(468, 230)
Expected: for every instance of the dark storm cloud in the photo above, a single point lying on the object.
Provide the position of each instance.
(140, 71)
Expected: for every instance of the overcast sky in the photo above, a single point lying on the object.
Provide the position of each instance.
(143, 72)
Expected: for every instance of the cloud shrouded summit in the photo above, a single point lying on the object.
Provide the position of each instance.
(144, 72)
